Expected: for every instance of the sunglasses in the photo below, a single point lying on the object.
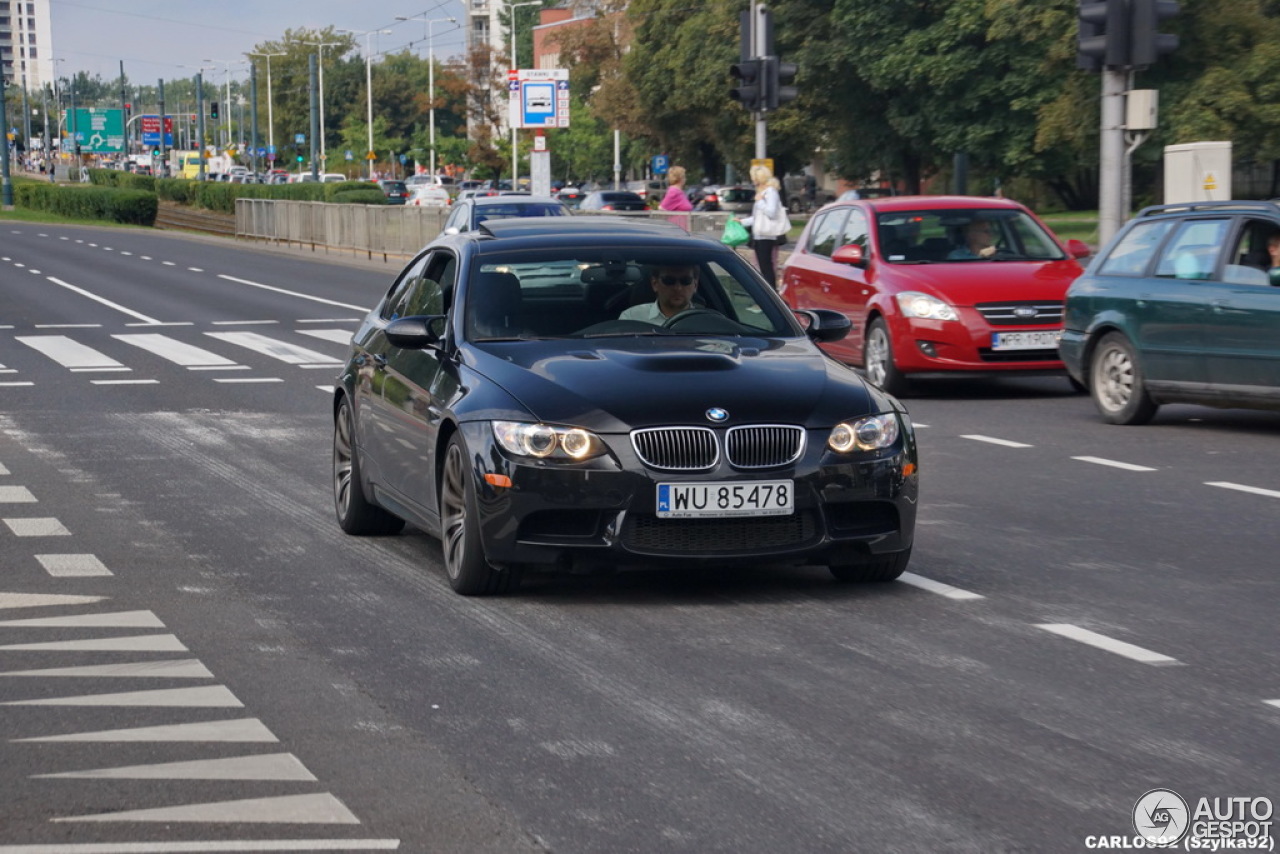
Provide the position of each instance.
(672, 281)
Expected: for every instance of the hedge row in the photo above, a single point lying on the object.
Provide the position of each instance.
(220, 196)
(123, 180)
(85, 201)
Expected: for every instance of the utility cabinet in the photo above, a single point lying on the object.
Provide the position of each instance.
(1197, 172)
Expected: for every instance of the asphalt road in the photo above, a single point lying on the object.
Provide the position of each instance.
(1090, 614)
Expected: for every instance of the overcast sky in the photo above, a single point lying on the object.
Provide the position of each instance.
(170, 38)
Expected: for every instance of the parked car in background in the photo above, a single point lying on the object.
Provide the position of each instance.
(1183, 306)
(332, 178)
(468, 214)
(495, 399)
(921, 305)
(429, 196)
(737, 199)
(571, 196)
(397, 192)
(705, 197)
(612, 200)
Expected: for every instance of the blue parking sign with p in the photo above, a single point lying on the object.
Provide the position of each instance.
(660, 164)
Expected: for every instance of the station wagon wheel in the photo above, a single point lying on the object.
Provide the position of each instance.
(1116, 380)
(464, 562)
(877, 360)
(356, 514)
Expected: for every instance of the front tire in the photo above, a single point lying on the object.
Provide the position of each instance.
(877, 359)
(464, 562)
(875, 568)
(356, 514)
(1117, 382)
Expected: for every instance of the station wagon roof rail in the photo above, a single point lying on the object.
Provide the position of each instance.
(1191, 207)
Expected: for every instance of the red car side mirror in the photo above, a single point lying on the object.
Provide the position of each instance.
(851, 254)
(1078, 249)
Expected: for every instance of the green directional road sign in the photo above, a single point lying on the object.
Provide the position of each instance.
(97, 129)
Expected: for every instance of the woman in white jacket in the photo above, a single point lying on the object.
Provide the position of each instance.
(768, 222)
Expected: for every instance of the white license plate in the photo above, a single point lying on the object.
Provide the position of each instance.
(1025, 340)
(729, 498)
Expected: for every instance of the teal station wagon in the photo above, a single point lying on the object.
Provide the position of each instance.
(1183, 306)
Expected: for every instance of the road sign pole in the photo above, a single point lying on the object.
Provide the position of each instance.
(6, 183)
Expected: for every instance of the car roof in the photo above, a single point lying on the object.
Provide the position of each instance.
(1221, 207)
(506, 199)
(911, 203)
(571, 228)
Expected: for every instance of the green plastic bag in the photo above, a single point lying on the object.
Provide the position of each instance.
(735, 233)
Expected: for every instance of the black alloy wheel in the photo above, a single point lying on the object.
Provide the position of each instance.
(356, 514)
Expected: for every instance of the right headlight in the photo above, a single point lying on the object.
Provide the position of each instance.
(916, 304)
(873, 433)
(544, 440)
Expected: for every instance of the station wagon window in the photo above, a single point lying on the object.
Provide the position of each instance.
(1193, 251)
(826, 233)
(1132, 254)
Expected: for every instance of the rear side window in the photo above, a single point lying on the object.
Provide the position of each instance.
(855, 230)
(1193, 251)
(826, 233)
(1134, 251)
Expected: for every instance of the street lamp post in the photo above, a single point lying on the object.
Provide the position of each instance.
(368, 83)
(320, 46)
(271, 122)
(431, 80)
(515, 161)
(227, 63)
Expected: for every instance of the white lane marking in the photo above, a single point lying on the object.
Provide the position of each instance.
(207, 697)
(231, 367)
(68, 326)
(178, 352)
(16, 264)
(104, 370)
(324, 367)
(248, 380)
(168, 263)
(34, 272)
(178, 668)
(108, 303)
(125, 252)
(201, 847)
(288, 353)
(1275, 703)
(157, 323)
(145, 257)
(245, 730)
(17, 384)
(994, 441)
(329, 320)
(937, 587)
(70, 354)
(252, 284)
(133, 643)
(111, 620)
(1103, 642)
(338, 336)
(47, 527)
(245, 323)
(41, 600)
(4, 469)
(1240, 487)
(327, 389)
(124, 382)
(322, 808)
(16, 495)
(195, 269)
(73, 565)
(267, 766)
(1113, 463)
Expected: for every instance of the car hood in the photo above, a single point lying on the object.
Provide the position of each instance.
(965, 283)
(622, 384)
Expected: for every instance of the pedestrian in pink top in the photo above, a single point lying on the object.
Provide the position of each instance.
(675, 199)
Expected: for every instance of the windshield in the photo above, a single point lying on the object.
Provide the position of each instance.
(964, 236)
(588, 293)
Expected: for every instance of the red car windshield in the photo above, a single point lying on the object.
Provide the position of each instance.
(964, 235)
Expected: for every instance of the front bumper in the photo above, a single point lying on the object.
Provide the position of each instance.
(602, 513)
(966, 345)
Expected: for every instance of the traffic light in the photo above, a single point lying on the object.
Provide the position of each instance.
(1103, 40)
(1148, 43)
(213, 109)
(749, 91)
(778, 77)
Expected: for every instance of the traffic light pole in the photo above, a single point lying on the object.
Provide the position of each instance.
(1111, 213)
(759, 48)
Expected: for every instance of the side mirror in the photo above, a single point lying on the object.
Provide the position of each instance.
(1078, 249)
(453, 229)
(851, 254)
(1273, 276)
(417, 332)
(825, 325)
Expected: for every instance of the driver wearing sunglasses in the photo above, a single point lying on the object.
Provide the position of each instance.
(674, 286)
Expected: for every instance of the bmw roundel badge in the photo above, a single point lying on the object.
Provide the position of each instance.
(717, 414)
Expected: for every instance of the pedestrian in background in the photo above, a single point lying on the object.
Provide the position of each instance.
(768, 222)
(675, 199)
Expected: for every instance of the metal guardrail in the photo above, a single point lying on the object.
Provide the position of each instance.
(392, 231)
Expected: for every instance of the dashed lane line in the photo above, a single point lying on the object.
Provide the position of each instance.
(1240, 487)
(991, 440)
(201, 847)
(937, 587)
(1113, 464)
(1117, 647)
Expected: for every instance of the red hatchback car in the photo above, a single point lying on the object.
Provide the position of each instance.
(935, 285)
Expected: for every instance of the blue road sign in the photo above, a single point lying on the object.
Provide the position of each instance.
(660, 164)
(538, 104)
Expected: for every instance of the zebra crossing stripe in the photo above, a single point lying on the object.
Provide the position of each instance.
(178, 352)
(243, 731)
(42, 600)
(272, 766)
(71, 354)
(134, 643)
(180, 668)
(117, 620)
(206, 846)
(322, 808)
(210, 697)
(73, 565)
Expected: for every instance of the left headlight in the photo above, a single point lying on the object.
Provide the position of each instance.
(544, 441)
(924, 306)
(873, 433)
